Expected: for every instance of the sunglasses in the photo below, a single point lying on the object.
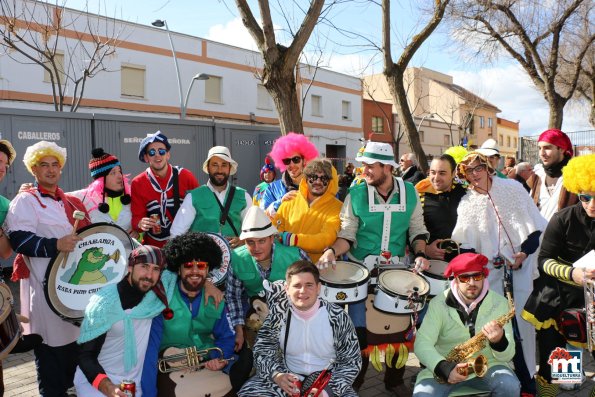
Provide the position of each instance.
(478, 169)
(199, 264)
(585, 198)
(323, 179)
(153, 152)
(465, 278)
(294, 160)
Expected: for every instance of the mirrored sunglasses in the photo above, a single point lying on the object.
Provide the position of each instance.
(294, 160)
(465, 278)
(153, 152)
(585, 198)
(198, 264)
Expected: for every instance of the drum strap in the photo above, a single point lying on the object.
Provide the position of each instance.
(176, 186)
(286, 335)
(225, 210)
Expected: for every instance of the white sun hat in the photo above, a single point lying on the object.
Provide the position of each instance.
(377, 152)
(223, 153)
(257, 224)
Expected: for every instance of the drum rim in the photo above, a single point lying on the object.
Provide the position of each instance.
(46, 285)
(396, 294)
(334, 284)
(409, 312)
(223, 279)
(433, 276)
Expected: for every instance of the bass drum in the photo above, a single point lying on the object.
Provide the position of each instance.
(10, 329)
(219, 276)
(99, 259)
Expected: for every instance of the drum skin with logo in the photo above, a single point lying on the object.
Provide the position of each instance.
(218, 276)
(401, 292)
(347, 283)
(435, 277)
(99, 259)
(10, 328)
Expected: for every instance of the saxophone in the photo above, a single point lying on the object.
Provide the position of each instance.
(463, 352)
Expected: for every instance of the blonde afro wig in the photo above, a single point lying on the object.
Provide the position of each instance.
(42, 149)
(579, 174)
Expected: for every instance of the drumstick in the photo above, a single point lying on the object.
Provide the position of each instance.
(77, 216)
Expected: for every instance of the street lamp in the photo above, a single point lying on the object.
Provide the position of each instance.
(158, 23)
(201, 76)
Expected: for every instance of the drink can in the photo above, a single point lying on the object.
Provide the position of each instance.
(298, 385)
(128, 387)
(157, 228)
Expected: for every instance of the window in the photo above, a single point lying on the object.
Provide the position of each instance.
(500, 140)
(490, 122)
(213, 90)
(377, 125)
(508, 141)
(59, 60)
(481, 122)
(132, 81)
(346, 110)
(316, 105)
(263, 99)
(447, 139)
(516, 143)
(421, 136)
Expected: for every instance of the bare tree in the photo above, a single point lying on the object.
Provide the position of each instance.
(394, 72)
(585, 87)
(35, 32)
(278, 75)
(533, 33)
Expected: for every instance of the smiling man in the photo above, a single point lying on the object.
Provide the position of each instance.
(158, 191)
(302, 336)
(218, 206)
(262, 258)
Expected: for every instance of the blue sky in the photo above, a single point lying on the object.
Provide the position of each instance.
(503, 84)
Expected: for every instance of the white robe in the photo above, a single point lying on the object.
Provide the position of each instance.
(478, 227)
(548, 204)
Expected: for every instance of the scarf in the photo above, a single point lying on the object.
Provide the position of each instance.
(555, 170)
(473, 305)
(163, 219)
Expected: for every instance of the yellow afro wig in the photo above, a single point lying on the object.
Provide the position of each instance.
(457, 153)
(579, 174)
(42, 149)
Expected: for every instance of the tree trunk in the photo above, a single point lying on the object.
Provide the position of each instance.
(284, 93)
(394, 77)
(556, 104)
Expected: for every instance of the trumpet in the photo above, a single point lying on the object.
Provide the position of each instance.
(177, 359)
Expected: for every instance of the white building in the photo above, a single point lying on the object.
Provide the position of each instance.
(142, 80)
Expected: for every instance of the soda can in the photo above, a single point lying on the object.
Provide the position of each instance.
(157, 228)
(298, 386)
(128, 387)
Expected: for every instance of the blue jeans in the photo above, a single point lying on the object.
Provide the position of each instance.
(499, 380)
(357, 313)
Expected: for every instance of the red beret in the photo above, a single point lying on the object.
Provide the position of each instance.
(558, 138)
(465, 263)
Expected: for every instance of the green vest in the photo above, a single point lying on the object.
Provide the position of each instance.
(4, 204)
(246, 269)
(369, 232)
(208, 211)
(183, 331)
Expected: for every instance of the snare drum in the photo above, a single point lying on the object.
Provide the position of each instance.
(99, 259)
(10, 329)
(219, 275)
(401, 292)
(348, 283)
(435, 277)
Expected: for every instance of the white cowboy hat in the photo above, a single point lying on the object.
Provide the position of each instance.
(257, 224)
(489, 148)
(223, 153)
(377, 152)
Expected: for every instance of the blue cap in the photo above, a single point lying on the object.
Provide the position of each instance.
(156, 137)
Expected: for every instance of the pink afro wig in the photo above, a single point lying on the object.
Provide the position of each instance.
(289, 144)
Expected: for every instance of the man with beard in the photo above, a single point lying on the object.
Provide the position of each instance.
(311, 220)
(440, 195)
(116, 327)
(39, 224)
(195, 321)
(217, 207)
(547, 189)
(466, 309)
(376, 219)
(158, 191)
(290, 153)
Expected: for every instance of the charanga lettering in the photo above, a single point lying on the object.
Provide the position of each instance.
(97, 241)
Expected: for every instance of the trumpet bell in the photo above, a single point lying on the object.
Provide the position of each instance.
(115, 256)
(477, 366)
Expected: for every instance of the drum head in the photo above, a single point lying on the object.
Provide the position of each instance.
(99, 259)
(346, 273)
(5, 301)
(437, 268)
(219, 275)
(402, 282)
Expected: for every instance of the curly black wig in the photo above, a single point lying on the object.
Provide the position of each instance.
(192, 246)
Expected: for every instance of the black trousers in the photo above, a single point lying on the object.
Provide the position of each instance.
(55, 368)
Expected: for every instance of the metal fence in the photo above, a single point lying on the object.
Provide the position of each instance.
(583, 142)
